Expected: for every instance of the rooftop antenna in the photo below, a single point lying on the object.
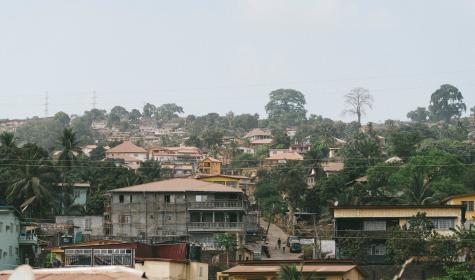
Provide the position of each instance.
(46, 104)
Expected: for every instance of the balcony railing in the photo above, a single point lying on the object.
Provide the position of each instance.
(229, 204)
(28, 238)
(207, 226)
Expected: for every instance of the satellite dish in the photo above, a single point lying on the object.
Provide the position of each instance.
(335, 203)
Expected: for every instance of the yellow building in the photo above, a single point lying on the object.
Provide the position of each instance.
(236, 181)
(269, 270)
(379, 220)
(464, 199)
(210, 166)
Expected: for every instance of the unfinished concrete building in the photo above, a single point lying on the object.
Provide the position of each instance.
(178, 209)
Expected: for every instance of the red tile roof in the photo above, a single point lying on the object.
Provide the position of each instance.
(126, 147)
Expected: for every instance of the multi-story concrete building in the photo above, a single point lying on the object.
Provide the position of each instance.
(178, 209)
(9, 233)
(18, 243)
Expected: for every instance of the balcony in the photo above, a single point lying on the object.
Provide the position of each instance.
(216, 226)
(28, 239)
(217, 205)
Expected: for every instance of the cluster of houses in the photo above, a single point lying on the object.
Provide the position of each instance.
(167, 229)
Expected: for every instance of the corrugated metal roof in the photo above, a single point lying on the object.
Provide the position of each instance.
(179, 185)
(276, 269)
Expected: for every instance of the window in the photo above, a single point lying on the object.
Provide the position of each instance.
(374, 225)
(201, 198)
(443, 223)
(10, 251)
(124, 219)
(77, 194)
(1, 228)
(1, 253)
(130, 198)
(377, 250)
(16, 251)
(11, 227)
(121, 199)
(87, 224)
(169, 198)
(7, 228)
(469, 205)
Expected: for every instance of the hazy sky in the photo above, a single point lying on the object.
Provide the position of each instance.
(217, 56)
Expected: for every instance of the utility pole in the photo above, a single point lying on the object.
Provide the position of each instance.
(46, 104)
(94, 100)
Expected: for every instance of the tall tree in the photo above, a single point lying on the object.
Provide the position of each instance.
(446, 103)
(68, 155)
(430, 176)
(357, 100)
(168, 111)
(286, 107)
(149, 110)
(403, 141)
(227, 242)
(420, 114)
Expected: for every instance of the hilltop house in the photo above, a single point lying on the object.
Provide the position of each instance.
(259, 136)
(278, 156)
(210, 166)
(178, 209)
(376, 221)
(130, 153)
(175, 154)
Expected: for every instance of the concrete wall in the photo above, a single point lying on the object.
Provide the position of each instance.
(149, 214)
(9, 233)
(95, 222)
(165, 270)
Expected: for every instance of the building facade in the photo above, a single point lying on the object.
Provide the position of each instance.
(9, 238)
(377, 221)
(466, 200)
(210, 166)
(177, 209)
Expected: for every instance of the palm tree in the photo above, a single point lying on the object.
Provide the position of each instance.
(8, 146)
(291, 272)
(29, 182)
(70, 147)
(67, 156)
(7, 140)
